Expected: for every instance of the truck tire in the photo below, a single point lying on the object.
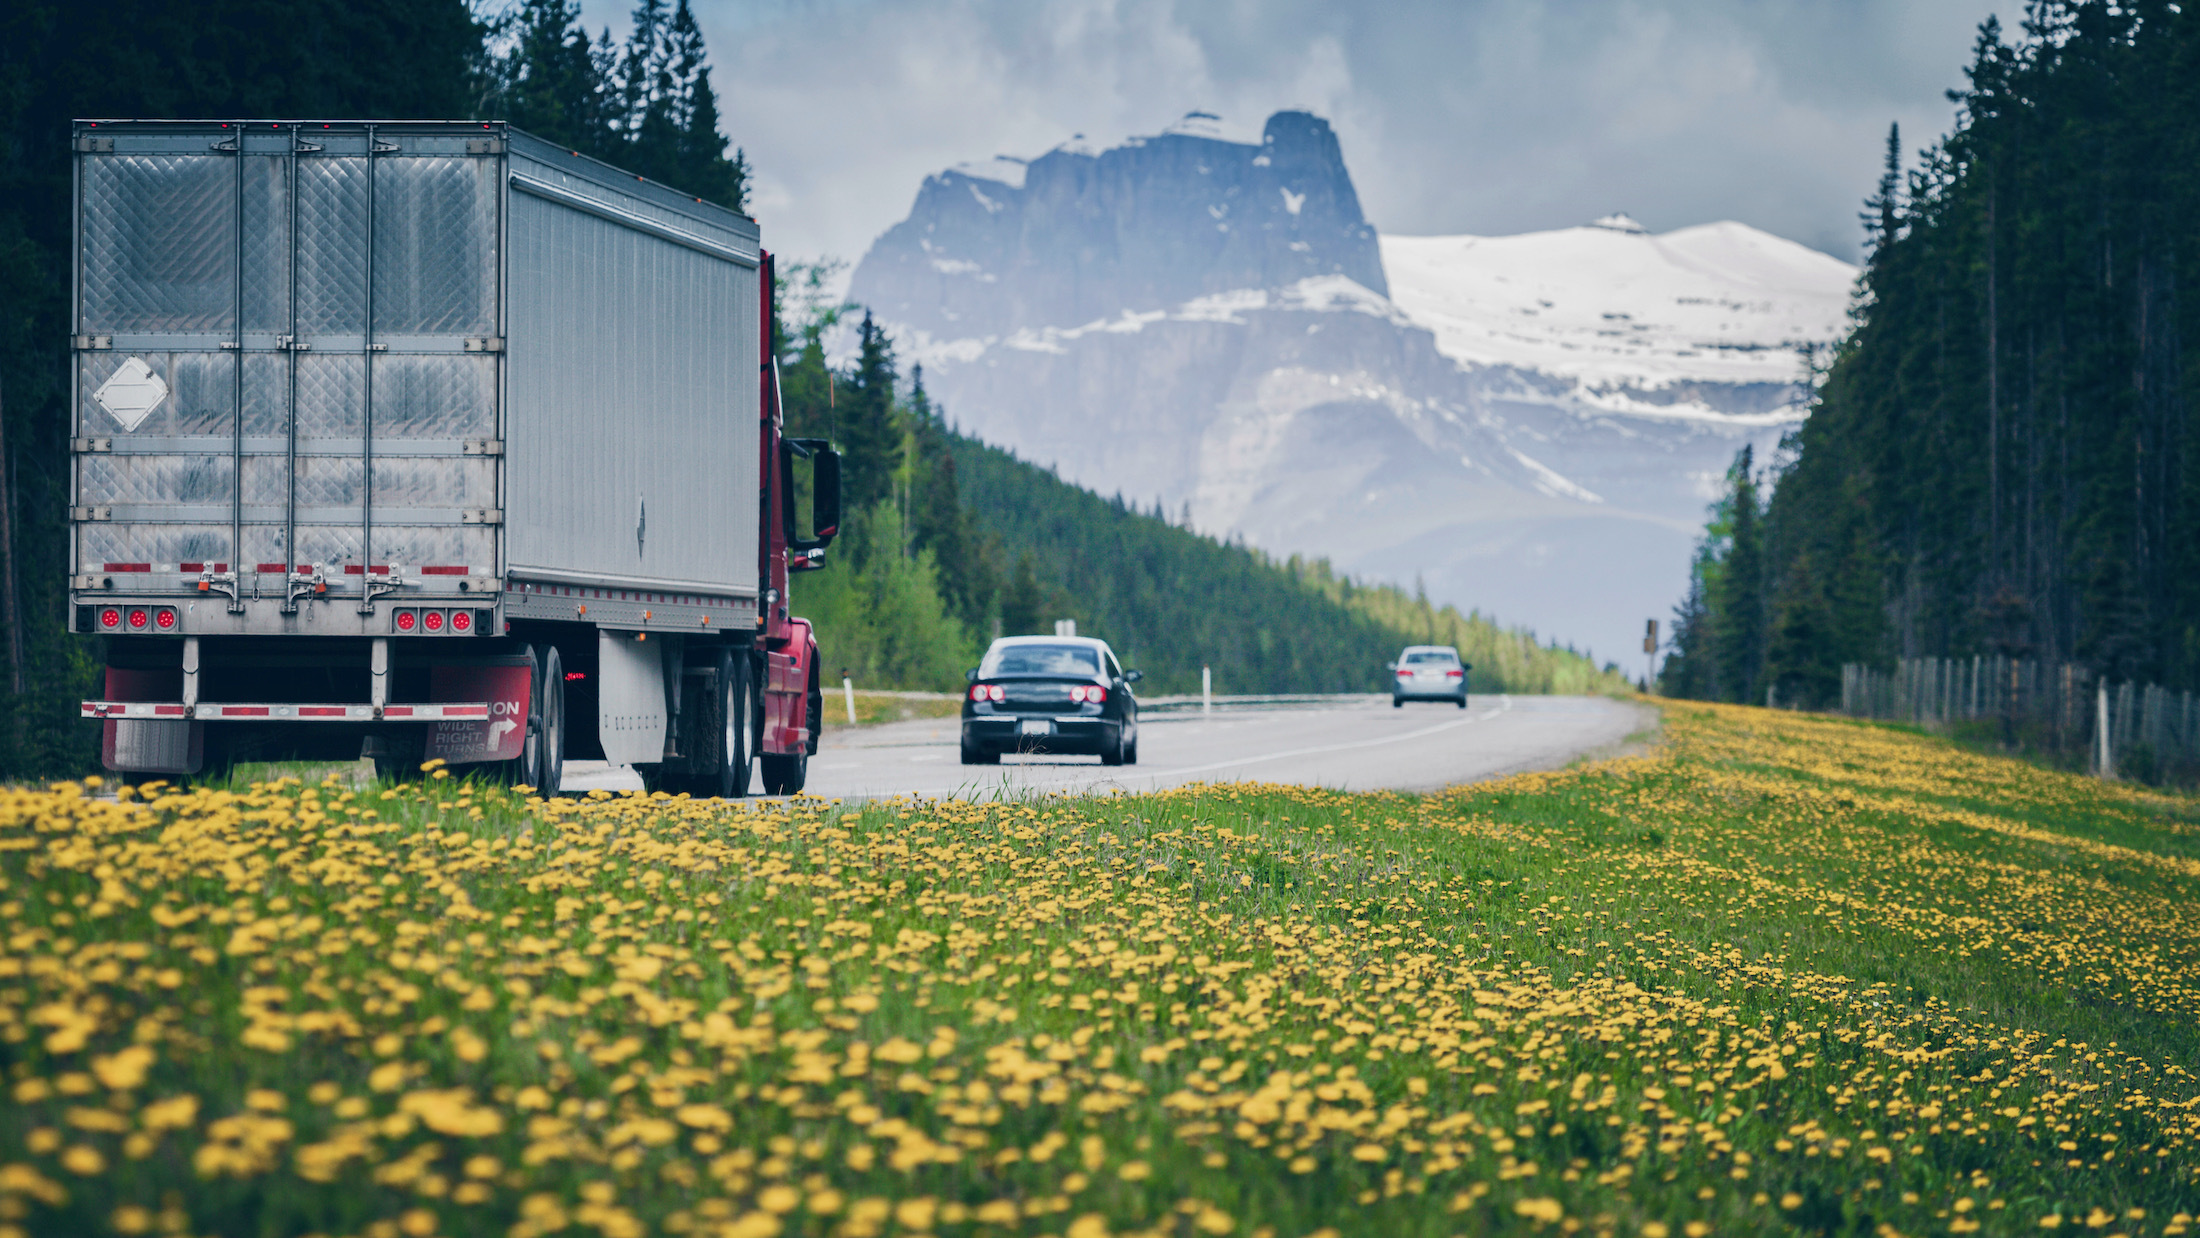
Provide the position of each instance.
(784, 772)
(735, 724)
(545, 751)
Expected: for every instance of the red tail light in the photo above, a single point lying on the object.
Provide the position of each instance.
(110, 618)
(406, 620)
(139, 618)
(462, 620)
(1092, 695)
(1455, 674)
(1403, 673)
(994, 692)
(432, 620)
(977, 692)
(164, 619)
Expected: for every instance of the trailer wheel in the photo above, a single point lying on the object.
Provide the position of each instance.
(546, 755)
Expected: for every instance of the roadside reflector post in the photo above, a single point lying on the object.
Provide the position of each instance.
(2105, 761)
(1206, 691)
(848, 694)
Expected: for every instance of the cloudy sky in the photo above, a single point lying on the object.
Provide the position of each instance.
(1482, 116)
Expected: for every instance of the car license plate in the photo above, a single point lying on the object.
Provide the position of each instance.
(1036, 726)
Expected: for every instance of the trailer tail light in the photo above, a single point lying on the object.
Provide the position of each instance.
(462, 621)
(432, 620)
(110, 619)
(164, 619)
(407, 621)
(1088, 695)
(139, 617)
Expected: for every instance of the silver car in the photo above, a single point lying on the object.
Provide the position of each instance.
(1428, 673)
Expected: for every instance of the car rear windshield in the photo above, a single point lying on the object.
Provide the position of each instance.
(1432, 657)
(1040, 660)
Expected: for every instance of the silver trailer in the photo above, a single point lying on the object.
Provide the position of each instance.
(396, 428)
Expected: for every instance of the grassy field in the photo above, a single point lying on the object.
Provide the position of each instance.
(873, 708)
(1790, 975)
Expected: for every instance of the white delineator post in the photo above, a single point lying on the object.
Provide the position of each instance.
(2103, 764)
(848, 694)
(1206, 691)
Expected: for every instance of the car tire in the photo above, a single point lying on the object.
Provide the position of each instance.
(1397, 702)
(1130, 752)
(979, 756)
(1462, 702)
(1111, 752)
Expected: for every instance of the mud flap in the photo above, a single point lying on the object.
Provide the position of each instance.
(507, 685)
(147, 745)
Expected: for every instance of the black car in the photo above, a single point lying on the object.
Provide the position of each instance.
(1050, 694)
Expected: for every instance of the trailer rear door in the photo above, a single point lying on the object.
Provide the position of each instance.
(287, 351)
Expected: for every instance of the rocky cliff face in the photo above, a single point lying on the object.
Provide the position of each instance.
(1532, 428)
(1077, 235)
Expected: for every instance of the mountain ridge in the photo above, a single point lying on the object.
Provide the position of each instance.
(1359, 414)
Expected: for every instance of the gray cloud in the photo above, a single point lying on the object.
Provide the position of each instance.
(1463, 116)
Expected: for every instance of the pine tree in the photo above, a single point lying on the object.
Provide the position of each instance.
(1738, 600)
(1023, 601)
(869, 433)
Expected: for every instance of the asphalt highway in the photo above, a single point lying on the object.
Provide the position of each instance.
(1347, 742)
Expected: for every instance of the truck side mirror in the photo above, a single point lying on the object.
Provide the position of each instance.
(825, 492)
(824, 497)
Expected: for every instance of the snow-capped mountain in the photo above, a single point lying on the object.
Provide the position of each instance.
(1529, 425)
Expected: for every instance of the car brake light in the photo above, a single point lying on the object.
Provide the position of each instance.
(994, 692)
(1091, 695)
(977, 692)
(1403, 673)
(432, 620)
(110, 618)
(1455, 674)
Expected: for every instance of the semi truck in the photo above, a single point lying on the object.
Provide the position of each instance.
(423, 441)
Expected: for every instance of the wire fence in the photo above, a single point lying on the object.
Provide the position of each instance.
(2141, 730)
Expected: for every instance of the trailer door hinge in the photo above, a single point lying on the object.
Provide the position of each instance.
(474, 515)
(485, 146)
(91, 343)
(91, 513)
(226, 146)
(482, 447)
(484, 343)
(91, 446)
(292, 343)
(96, 146)
(383, 146)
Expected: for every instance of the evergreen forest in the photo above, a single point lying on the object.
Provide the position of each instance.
(2001, 458)
(946, 542)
